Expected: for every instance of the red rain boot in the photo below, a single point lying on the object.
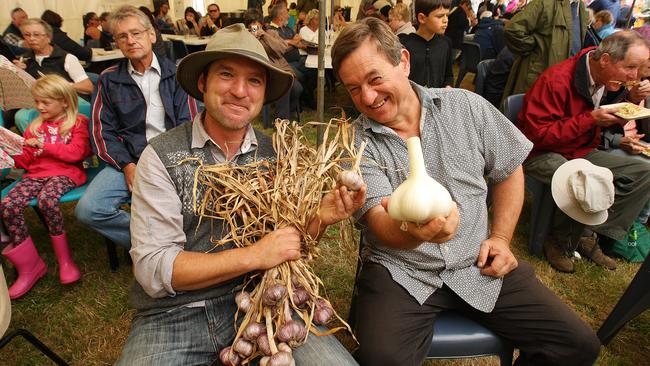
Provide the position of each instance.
(29, 265)
(68, 271)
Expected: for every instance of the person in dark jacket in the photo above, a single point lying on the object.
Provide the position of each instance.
(489, 36)
(134, 102)
(61, 39)
(459, 23)
(430, 50)
(497, 77)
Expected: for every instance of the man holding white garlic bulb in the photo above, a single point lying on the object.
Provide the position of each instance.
(184, 289)
(461, 262)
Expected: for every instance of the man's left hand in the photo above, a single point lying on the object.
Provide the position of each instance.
(340, 203)
(495, 258)
(639, 92)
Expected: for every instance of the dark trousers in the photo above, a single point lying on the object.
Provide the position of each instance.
(631, 184)
(394, 329)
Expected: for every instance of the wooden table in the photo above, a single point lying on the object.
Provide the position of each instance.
(99, 54)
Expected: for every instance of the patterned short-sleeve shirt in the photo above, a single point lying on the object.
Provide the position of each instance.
(464, 139)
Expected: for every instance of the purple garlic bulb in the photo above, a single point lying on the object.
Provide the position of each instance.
(228, 357)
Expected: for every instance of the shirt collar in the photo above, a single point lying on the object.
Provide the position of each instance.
(155, 65)
(429, 100)
(200, 136)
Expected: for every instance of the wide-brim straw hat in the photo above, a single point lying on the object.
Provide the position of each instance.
(234, 40)
(583, 191)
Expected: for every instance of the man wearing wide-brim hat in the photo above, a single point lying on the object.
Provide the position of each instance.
(185, 286)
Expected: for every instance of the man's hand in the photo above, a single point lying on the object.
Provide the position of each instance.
(605, 117)
(277, 247)
(438, 230)
(33, 142)
(129, 175)
(632, 145)
(340, 203)
(495, 258)
(639, 92)
(20, 63)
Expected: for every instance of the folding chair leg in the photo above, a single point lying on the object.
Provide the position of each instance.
(112, 255)
(34, 341)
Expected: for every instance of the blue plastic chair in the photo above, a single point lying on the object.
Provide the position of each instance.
(543, 209)
(72, 196)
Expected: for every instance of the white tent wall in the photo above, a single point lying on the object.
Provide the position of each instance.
(72, 10)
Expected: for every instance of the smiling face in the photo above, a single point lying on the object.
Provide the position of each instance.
(378, 88)
(233, 92)
(133, 39)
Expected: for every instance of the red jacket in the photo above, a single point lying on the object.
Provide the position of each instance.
(556, 112)
(59, 156)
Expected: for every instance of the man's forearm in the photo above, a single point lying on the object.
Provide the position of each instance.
(194, 270)
(507, 200)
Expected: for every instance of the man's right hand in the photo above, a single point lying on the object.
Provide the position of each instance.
(438, 230)
(605, 117)
(129, 175)
(277, 247)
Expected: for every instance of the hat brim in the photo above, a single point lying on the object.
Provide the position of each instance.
(188, 72)
(566, 201)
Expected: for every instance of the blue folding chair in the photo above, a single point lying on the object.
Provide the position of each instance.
(72, 196)
(543, 209)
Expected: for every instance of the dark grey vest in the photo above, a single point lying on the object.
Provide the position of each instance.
(172, 147)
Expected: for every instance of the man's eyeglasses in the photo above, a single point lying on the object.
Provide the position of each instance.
(33, 35)
(213, 10)
(137, 35)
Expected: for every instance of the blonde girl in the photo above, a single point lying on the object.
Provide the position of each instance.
(56, 143)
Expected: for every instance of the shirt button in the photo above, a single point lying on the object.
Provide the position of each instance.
(445, 248)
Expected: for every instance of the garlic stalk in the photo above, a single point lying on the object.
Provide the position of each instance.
(419, 198)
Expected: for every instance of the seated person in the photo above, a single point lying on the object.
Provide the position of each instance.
(61, 39)
(12, 34)
(399, 19)
(601, 27)
(184, 292)
(189, 25)
(497, 77)
(563, 117)
(212, 21)
(135, 101)
(429, 49)
(462, 262)
(489, 36)
(46, 58)
(163, 19)
(92, 34)
(106, 38)
(275, 48)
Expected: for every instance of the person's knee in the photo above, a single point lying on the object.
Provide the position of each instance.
(45, 203)
(580, 347)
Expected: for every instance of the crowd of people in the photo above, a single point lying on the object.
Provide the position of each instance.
(150, 114)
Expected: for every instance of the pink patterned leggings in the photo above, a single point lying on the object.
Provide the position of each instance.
(47, 191)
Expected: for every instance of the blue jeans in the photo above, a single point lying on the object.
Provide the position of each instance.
(195, 336)
(99, 208)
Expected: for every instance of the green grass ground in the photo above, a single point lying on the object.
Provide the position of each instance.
(87, 323)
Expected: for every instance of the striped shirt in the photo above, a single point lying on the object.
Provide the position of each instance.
(464, 139)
